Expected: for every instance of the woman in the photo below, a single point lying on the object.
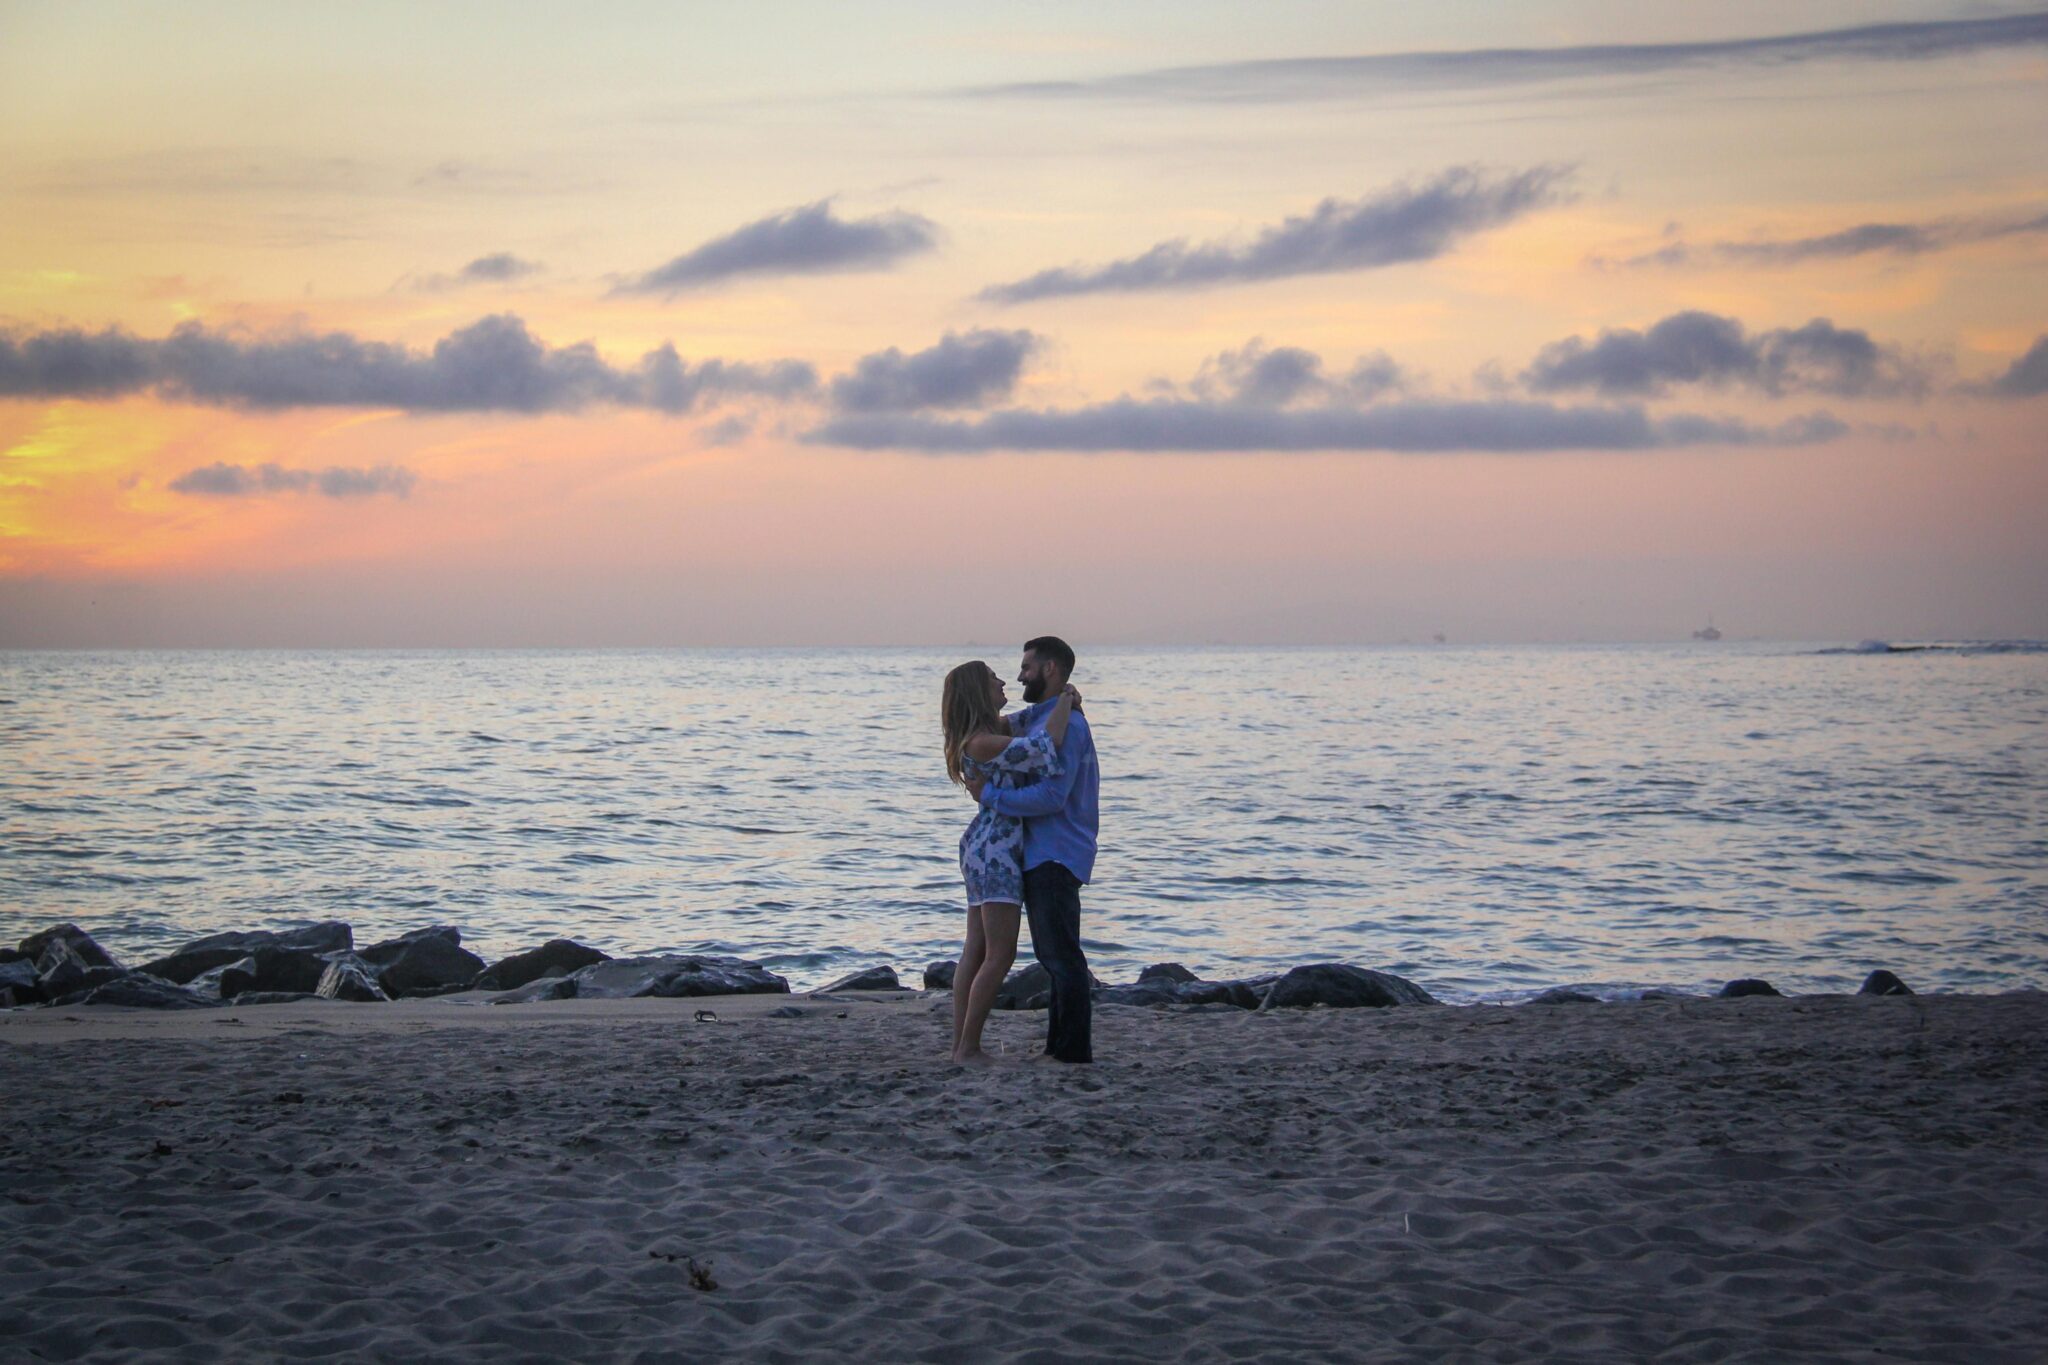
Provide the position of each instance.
(980, 747)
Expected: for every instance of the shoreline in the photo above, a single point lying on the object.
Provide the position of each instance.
(1746, 1179)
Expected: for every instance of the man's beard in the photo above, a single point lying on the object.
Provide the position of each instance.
(1034, 692)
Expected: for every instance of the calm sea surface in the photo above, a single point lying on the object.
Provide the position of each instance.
(1489, 822)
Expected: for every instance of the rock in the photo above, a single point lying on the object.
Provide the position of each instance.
(1030, 988)
(1158, 991)
(1565, 995)
(682, 974)
(1166, 971)
(787, 1012)
(89, 953)
(388, 951)
(429, 964)
(275, 997)
(546, 988)
(938, 976)
(273, 969)
(881, 978)
(1342, 987)
(1882, 982)
(348, 977)
(1247, 993)
(18, 979)
(62, 969)
(556, 957)
(1749, 985)
(218, 950)
(139, 990)
(13, 955)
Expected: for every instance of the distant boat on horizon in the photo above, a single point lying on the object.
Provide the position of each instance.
(1708, 631)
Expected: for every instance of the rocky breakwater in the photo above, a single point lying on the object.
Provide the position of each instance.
(1331, 984)
(64, 965)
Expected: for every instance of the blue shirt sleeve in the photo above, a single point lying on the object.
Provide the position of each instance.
(1043, 798)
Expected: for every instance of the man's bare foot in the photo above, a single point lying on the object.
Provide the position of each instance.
(974, 1058)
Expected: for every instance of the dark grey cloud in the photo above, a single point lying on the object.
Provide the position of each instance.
(1405, 223)
(220, 480)
(1705, 348)
(500, 267)
(963, 370)
(1412, 426)
(2028, 376)
(1263, 376)
(493, 365)
(1315, 78)
(803, 241)
(1864, 239)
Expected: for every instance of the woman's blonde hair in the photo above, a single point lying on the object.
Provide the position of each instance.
(967, 708)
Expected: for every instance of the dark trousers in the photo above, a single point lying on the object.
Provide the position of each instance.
(1052, 901)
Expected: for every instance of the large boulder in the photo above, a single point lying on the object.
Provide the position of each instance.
(429, 965)
(1342, 987)
(556, 957)
(938, 976)
(388, 951)
(1157, 991)
(276, 998)
(1166, 971)
(683, 974)
(81, 944)
(881, 978)
(1882, 982)
(65, 967)
(348, 977)
(139, 990)
(1748, 985)
(1161, 988)
(219, 950)
(273, 969)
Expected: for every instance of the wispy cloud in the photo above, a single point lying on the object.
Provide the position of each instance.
(804, 241)
(220, 480)
(1707, 349)
(2028, 375)
(1863, 239)
(1411, 426)
(1404, 223)
(493, 365)
(963, 370)
(1318, 78)
(500, 267)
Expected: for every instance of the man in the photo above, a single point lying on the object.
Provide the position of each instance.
(1059, 845)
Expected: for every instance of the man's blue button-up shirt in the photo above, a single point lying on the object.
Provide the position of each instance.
(1059, 813)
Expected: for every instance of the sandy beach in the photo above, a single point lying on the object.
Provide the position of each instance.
(1757, 1179)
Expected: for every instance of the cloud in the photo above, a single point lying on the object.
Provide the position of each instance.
(1263, 376)
(493, 365)
(960, 371)
(336, 481)
(500, 267)
(803, 241)
(1704, 348)
(2028, 376)
(1404, 223)
(1417, 426)
(1316, 78)
(1864, 239)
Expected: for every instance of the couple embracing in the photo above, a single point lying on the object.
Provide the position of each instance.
(1031, 846)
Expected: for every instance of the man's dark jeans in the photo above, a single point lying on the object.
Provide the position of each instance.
(1052, 901)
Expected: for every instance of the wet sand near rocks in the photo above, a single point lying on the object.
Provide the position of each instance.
(1759, 1179)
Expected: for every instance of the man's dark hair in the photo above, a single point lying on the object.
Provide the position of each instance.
(1052, 649)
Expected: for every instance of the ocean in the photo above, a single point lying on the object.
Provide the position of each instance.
(1489, 822)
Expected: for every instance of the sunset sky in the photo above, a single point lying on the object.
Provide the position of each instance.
(878, 323)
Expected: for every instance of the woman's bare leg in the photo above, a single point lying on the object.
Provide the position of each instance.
(971, 953)
(999, 950)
